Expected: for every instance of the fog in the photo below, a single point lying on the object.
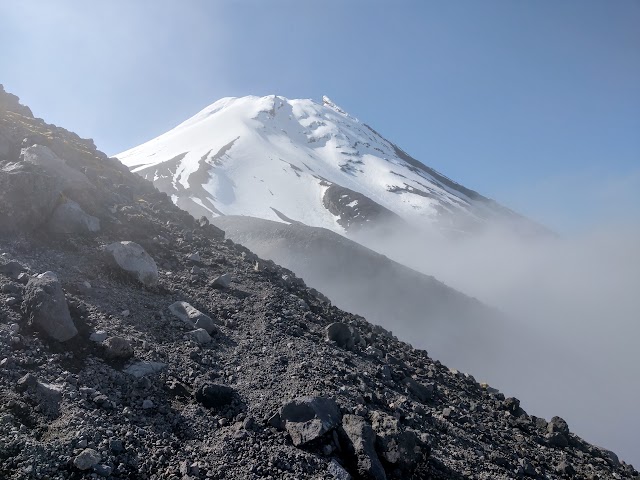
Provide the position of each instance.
(574, 303)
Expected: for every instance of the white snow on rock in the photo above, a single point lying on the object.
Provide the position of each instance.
(274, 158)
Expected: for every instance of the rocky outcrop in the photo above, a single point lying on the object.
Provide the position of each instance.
(46, 307)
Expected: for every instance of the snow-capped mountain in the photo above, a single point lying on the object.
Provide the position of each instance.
(301, 161)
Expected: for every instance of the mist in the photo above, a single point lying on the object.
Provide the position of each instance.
(574, 307)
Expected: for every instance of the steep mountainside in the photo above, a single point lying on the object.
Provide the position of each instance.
(278, 159)
(459, 329)
(135, 342)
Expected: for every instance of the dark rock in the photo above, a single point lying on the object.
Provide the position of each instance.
(215, 396)
(341, 334)
(557, 439)
(422, 392)
(558, 424)
(117, 348)
(46, 307)
(308, 418)
(25, 382)
(361, 441)
(395, 444)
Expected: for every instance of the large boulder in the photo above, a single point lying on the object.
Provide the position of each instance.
(361, 441)
(345, 336)
(46, 307)
(395, 444)
(135, 261)
(307, 418)
(193, 317)
(28, 195)
(70, 218)
(45, 158)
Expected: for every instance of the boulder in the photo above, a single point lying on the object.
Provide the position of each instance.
(44, 157)
(308, 418)
(117, 348)
(28, 195)
(558, 424)
(87, 459)
(135, 261)
(199, 336)
(341, 334)
(70, 218)
(361, 440)
(193, 317)
(214, 396)
(46, 307)
(223, 281)
(396, 444)
(423, 392)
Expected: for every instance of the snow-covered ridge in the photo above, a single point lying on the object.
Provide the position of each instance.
(276, 158)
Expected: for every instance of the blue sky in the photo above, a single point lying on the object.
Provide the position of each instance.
(533, 103)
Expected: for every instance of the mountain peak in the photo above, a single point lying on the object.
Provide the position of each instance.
(260, 155)
(327, 102)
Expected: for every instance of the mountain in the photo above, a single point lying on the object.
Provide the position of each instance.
(301, 161)
(136, 342)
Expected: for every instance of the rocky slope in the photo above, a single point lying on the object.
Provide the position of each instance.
(458, 329)
(105, 372)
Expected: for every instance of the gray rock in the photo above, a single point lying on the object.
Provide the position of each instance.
(147, 404)
(134, 260)
(99, 336)
(223, 281)
(87, 459)
(49, 397)
(308, 418)
(194, 257)
(117, 348)
(70, 218)
(193, 317)
(396, 444)
(558, 424)
(45, 158)
(341, 334)
(46, 307)
(199, 336)
(144, 368)
(361, 440)
(422, 392)
(337, 470)
(28, 195)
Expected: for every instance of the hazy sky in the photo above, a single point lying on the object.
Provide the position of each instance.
(533, 103)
